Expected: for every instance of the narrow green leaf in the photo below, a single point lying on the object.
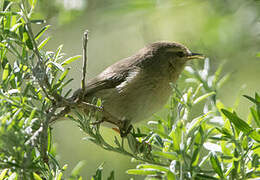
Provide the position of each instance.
(37, 21)
(255, 116)
(166, 155)
(41, 32)
(59, 176)
(32, 3)
(7, 13)
(195, 157)
(143, 172)
(17, 25)
(257, 97)
(205, 177)
(111, 176)
(57, 65)
(204, 96)
(217, 74)
(70, 60)
(216, 164)
(239, 123)
(6, 72)
(36, 176)
(222, 81)
(170, 176)
(152, 166)
(3, 173)
(258, 55)
(250, 98)
(77, 168)
(98, 175)
(27, 40)
(195, 122)
(43, 43)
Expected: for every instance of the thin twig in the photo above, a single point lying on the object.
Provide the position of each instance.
(84, 69)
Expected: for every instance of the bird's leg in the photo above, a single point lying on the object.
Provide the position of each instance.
(124, 125)
(124, 128)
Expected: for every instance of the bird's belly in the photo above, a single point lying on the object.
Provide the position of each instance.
(134, 103)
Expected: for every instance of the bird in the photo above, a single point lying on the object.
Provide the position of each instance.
(136, 87)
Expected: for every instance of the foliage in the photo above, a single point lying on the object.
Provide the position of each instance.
(217, 144)
(32, 82)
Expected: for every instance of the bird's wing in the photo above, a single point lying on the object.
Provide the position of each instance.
(110, 77)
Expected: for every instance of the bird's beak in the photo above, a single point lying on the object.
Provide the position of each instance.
(196, 56)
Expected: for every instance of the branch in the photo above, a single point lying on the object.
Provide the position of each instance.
(84, 69)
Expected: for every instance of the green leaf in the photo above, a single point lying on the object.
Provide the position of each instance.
(6, 72)
(195, 122)
(152, 166)
(59, 176)
(251, 99)
(239, 123)
(32, 3)
(17, 25)
(70, 60)
(222, 81)
(37, 21)
(258, 55)
(205, 177)
(166, 155)
(216, 164)
(41, 32)
(36, 176)
(3, 173)
(143, 172)
(98, 175)
(57, 65)
(201, 98)
(111, 176)
(27, 40)
(217, 74)
(195, 157)
(255, 116)
(7, 13)
(77, 168)
(43, 43)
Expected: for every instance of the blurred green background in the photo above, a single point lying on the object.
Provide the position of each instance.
(224, 30)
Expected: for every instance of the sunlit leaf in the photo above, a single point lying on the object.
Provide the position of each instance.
(70, 60)
(3, 173)
(77, 168)
(255, 116)
(32, 3)
(166, 155)
(142, 172)
(204, 96)
(43, 43)
(242, 125)
(6, 72)
(195, 157)
(36, 176)
(153, 166)
(216, 164)
(41, 32)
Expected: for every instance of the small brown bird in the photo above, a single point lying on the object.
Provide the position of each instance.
(134, 88)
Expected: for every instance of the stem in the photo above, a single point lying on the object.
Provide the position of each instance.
(84, 69)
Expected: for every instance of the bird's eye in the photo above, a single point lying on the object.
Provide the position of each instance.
(180, 54)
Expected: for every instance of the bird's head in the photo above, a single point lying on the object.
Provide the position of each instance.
(171, 56)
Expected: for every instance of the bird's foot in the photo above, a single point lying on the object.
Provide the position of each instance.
(125, 128)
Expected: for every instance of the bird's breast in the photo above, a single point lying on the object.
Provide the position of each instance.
(138, 97)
